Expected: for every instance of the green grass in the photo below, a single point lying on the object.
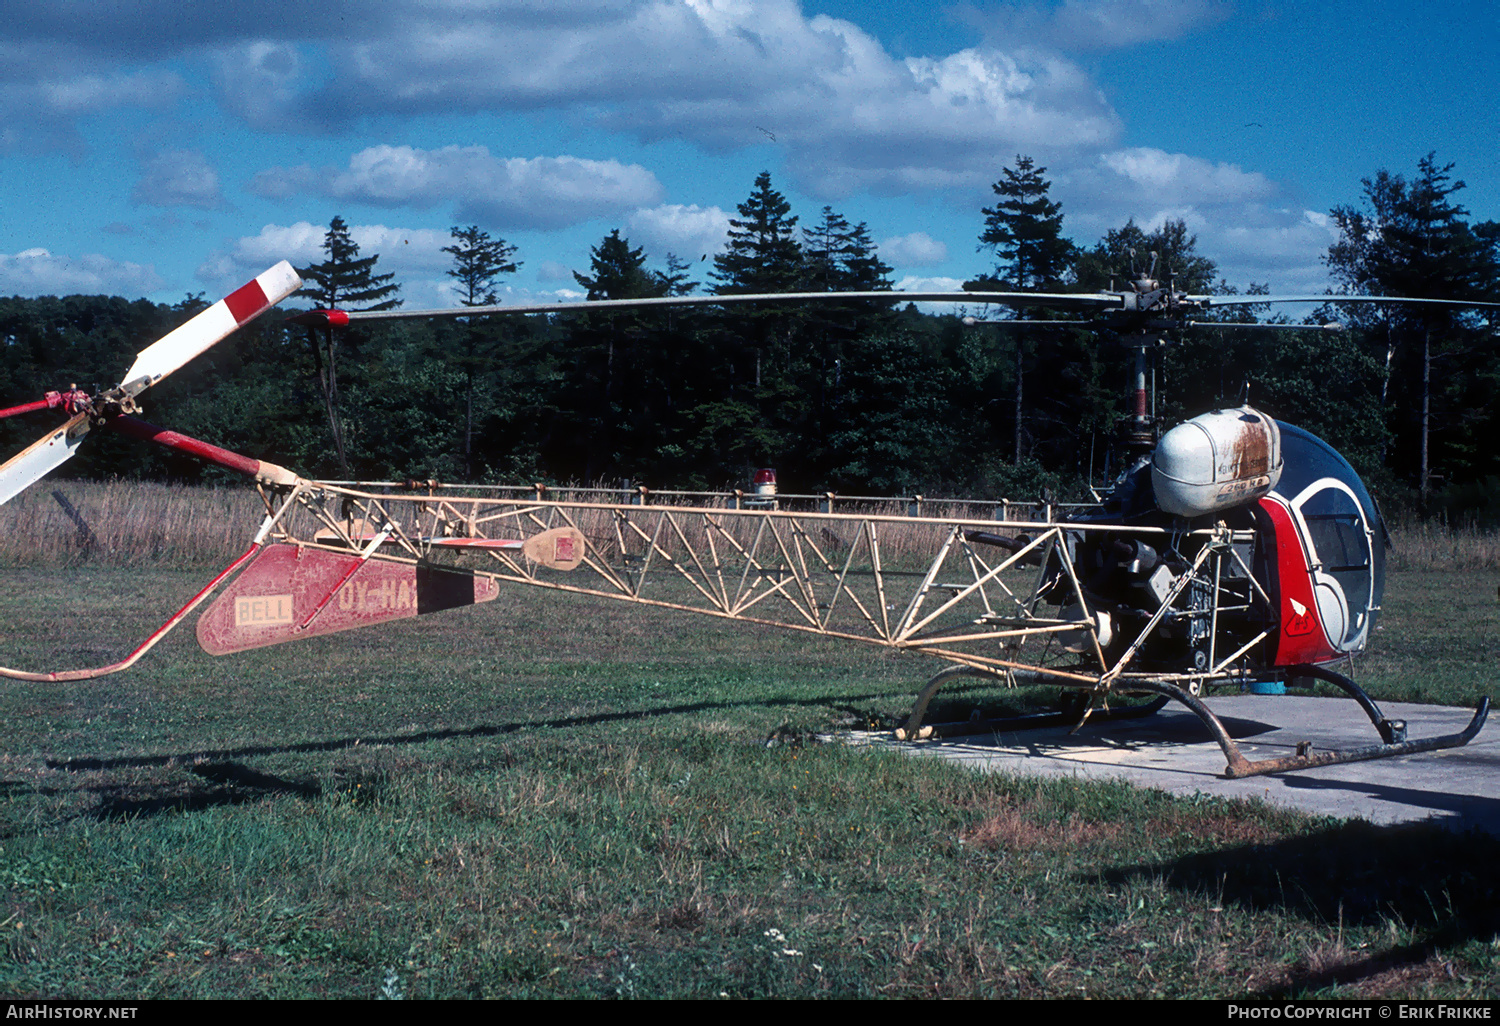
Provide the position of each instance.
(551, 796)
(1437, 639)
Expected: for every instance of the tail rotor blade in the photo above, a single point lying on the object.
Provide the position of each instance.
(244, 304)
(41, 457)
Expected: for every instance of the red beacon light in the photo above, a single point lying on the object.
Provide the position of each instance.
(765, 483)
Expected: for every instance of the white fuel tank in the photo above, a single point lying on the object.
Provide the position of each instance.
(1216, 461)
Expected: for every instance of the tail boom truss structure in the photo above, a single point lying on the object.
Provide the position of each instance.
(1018, 608)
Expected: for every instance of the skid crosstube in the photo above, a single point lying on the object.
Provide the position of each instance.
(1392, 732)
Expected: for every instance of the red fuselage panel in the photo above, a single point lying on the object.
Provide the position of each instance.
(1300, 637)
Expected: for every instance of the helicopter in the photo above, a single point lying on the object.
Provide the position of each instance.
(1233, 550)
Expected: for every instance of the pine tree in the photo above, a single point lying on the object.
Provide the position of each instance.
(340, 282)
(762, 254)
(1413, 240)
(841, 257)
(1024, 230)
(478, 262)
(345, 280)
(619, 272)
(615, 379)
(676, 276)
(838, 257)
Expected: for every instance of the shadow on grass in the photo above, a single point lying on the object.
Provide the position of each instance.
(844, 704)
(1434, 886)
(236, 785)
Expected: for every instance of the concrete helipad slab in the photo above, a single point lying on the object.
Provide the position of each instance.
(1171, 750)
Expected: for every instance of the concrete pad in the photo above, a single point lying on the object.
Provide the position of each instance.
(1171, 750)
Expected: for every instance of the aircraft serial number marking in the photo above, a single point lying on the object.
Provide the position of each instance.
(361, 596)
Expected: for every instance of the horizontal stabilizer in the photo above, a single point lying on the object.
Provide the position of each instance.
(291, 592)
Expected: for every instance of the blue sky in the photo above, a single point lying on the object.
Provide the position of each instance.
(154, 148)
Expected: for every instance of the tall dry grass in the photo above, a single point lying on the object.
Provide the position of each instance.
(1433, 546)
(129, 523)
(126, 523)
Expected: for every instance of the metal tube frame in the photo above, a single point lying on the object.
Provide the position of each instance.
(786, 569)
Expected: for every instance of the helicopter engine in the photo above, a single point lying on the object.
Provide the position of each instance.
(1306, 568)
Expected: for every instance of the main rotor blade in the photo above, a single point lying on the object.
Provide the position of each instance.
(1256, 300)
(176, 348)
(1076, 301)
(42, 457)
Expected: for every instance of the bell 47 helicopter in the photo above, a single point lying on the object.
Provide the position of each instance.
(1233, 551)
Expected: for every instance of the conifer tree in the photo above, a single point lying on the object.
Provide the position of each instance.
(613, 379)
(838, 257)
(841, 257)
(1413, 240)
(478, 262)
(346, 280)
(619, 272)
(676, 276)
(1024, 230)
(762, 256)
(341, 282)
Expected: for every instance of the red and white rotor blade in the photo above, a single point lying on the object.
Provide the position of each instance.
(244, 304)
(41, 457)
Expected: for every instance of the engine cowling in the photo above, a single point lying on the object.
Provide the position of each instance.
(1216, 461)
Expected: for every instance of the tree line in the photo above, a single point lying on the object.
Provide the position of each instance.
(858, 396)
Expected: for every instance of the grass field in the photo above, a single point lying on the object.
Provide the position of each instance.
(550, 796)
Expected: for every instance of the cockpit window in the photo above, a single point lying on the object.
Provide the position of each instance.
(1337, 530)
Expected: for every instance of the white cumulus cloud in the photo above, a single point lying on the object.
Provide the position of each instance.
(915, 250)
(409, 252)
(506, 192)
(688, 230)
(1233, 212)
(37, 272)
(722, 74)
(934, 283)
(1176, 179)
(1285, 247)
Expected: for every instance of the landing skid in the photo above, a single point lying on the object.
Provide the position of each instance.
(1393, 740)
(1074, 705)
